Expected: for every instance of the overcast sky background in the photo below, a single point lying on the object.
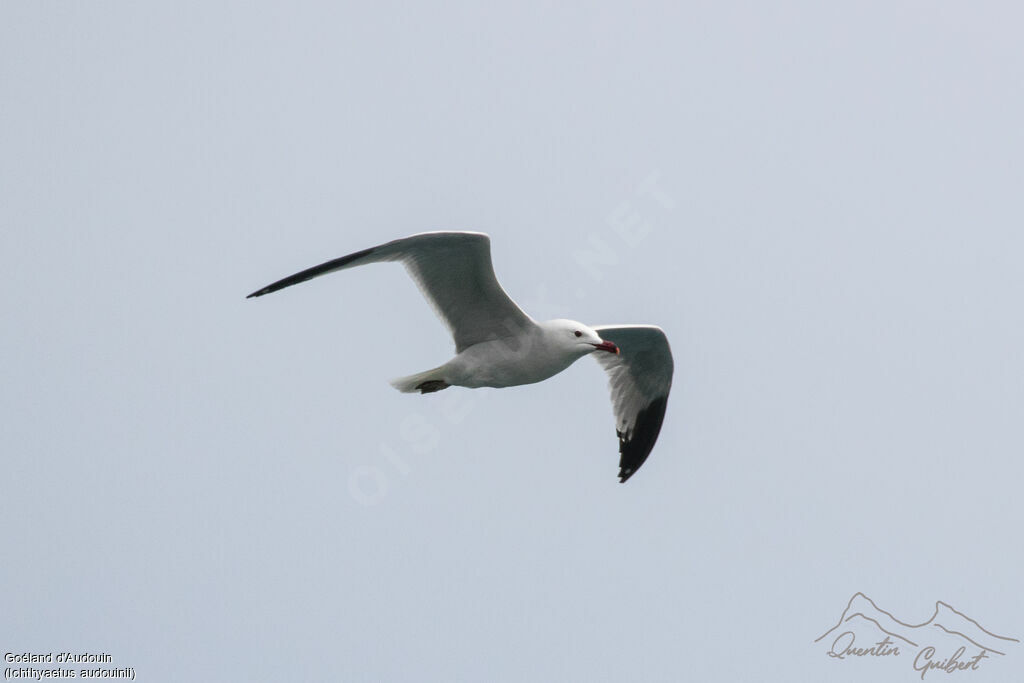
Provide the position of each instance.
(210, 488)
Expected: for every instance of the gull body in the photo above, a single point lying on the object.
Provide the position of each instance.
(534, 355)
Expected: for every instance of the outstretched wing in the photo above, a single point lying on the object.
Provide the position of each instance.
(640, 377)
(454, 272)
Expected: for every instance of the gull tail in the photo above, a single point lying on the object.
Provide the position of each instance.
(423, 382)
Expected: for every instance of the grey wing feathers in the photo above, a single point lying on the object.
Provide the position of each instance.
(454, 272)
(640, 378)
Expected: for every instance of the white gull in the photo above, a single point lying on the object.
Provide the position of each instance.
(498, 345)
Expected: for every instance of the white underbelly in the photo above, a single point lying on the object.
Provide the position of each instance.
(496, 364)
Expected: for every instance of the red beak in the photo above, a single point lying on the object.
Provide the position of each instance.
(606, 346)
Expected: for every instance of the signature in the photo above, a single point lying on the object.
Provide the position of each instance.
(949, 641)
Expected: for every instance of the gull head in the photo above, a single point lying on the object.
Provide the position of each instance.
(576, 337)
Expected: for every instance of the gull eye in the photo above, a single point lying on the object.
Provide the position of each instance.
(578, 333)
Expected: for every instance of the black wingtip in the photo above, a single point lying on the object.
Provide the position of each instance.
(311, 273)
(280, 284)
(635, 449)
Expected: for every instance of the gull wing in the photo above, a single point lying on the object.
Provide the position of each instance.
(454, 272)
(640, 377)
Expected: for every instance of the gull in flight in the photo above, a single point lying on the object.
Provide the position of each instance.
(498, 345)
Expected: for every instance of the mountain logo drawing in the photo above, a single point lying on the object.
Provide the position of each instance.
(949, 641)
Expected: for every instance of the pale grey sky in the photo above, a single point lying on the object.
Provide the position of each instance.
(209, 488)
